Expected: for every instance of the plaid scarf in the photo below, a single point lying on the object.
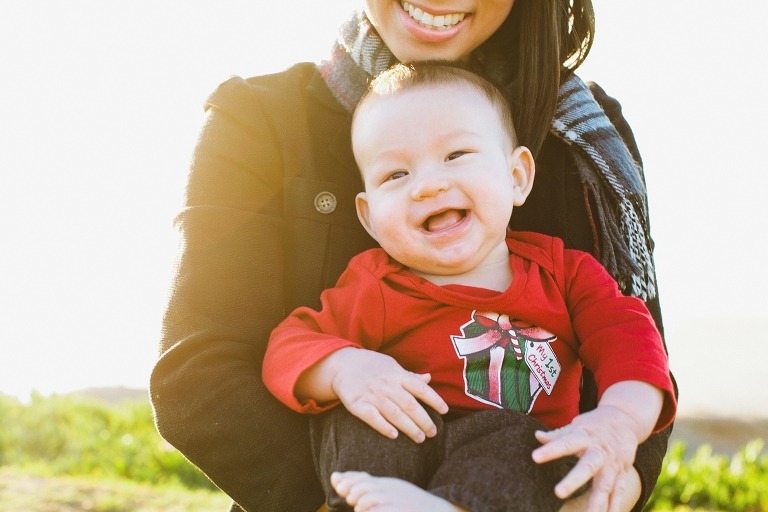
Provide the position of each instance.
(607, 169)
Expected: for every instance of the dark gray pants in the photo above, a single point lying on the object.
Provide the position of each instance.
(481, 462)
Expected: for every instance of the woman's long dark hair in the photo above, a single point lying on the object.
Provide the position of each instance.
(540, 43)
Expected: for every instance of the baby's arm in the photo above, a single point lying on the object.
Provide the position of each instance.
(605, 440)
(376, 389)
(315, 358)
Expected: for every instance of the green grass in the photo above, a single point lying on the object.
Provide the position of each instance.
(64, 453)
(24, 490)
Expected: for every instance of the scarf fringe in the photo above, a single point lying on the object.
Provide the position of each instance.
(609, 171)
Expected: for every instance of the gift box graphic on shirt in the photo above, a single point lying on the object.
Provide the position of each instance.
(507, 363)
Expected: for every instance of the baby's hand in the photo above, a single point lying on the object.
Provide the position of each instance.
(605, 442)
(376, 389)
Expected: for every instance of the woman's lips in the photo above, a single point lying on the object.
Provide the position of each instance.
(444, 220)
(429, 26)
(432, 20)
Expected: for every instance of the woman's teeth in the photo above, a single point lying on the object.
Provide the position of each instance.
(432, 21)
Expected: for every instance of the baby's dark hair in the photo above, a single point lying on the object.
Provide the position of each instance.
(402, 77)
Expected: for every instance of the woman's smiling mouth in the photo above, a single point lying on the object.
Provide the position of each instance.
(432, 21)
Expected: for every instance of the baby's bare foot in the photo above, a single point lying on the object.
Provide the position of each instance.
(379, 494)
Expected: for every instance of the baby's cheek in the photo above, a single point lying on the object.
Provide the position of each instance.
(401, 249)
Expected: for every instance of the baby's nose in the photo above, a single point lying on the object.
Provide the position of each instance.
(428, 184)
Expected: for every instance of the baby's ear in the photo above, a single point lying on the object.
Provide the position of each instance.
(364, 214)
(523, 170)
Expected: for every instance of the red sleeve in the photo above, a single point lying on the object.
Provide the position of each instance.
(351, 315)
(618, 338)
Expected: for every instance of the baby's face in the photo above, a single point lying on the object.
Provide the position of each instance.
(441, 177)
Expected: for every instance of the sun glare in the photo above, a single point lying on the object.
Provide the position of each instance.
(103, 105)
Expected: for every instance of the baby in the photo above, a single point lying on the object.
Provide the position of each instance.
(456, 313)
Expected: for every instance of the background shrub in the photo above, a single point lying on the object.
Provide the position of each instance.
(79, 436)
(713, 482)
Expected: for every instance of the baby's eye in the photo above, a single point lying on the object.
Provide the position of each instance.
(397, 175)
(456, 154)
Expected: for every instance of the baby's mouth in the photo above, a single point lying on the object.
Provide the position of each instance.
(444, 220)
(432, 21)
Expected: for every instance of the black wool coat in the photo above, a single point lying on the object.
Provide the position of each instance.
(256, 245)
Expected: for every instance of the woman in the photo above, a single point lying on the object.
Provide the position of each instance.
(270, 221)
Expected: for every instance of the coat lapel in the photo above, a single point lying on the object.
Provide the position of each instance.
(340, 145)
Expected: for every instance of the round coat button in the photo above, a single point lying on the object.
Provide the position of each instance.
(325, 202)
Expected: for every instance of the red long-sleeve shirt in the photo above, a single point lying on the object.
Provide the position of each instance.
(521, 349)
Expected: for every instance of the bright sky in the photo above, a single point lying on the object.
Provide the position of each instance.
(103, 103)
